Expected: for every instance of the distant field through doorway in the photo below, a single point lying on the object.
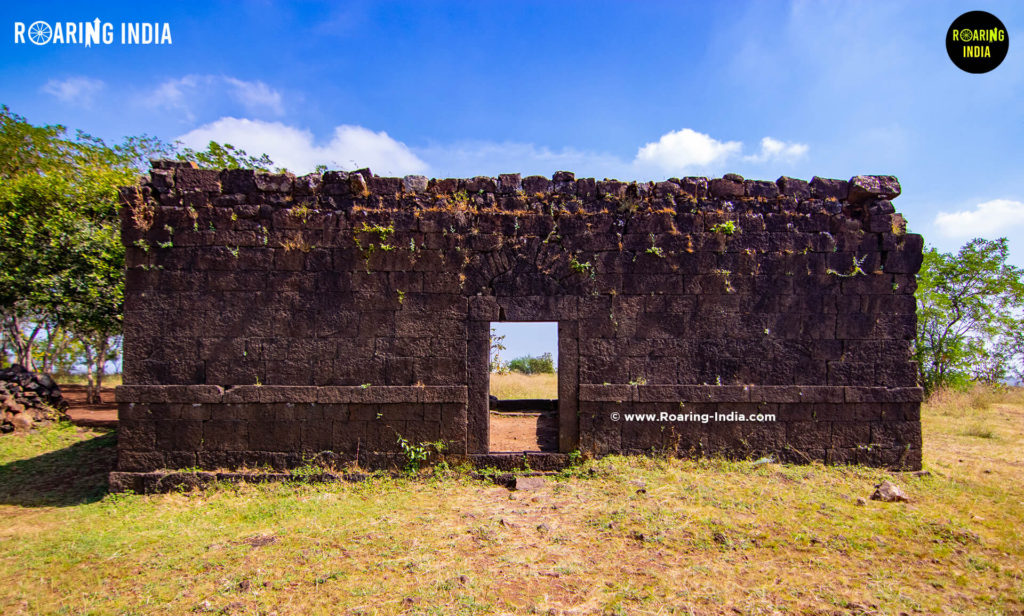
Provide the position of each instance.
(524, 387)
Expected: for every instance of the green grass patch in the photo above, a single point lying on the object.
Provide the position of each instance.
(617, 535)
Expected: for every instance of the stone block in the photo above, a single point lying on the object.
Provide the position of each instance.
(872, 187)
(724, 188)
(792, 187)
(196, 180)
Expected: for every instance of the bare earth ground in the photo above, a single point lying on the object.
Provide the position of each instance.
(615, 536)
(95, 415)
(524, 432)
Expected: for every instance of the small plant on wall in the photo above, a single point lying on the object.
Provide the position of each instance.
(369, 238)
(725, 228)
(416, 455)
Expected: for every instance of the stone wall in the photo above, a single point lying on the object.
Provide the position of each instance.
(270, 317)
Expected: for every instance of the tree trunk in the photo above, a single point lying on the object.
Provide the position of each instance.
(46, 356)
(87, 346)
(22, 343)
(95, 367)
(101, 365)
(59, 350)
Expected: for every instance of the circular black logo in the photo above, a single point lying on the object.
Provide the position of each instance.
(977, 42)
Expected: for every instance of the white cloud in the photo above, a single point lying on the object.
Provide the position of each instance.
(256, 94)
(773, 149)
(985, 220)
(686, 149)
(80, 90)
(350, 147)
(186, 93)
(173, 94)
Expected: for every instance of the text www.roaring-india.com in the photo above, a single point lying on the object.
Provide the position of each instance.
(694, 417)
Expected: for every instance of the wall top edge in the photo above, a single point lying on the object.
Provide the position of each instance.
(180, 178)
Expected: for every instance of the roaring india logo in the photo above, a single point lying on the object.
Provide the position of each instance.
(95, 32)
(977, 42)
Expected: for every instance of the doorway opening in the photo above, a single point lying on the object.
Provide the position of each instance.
(523, 387)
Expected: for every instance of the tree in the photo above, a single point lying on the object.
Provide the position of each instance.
(61, 257)
(970, 315)
(57, 351)
(226, 156)
(497, 346)
(529, 364)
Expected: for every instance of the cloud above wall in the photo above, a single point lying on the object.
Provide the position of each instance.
(773, 150)
(192, 93)
(76, 90)
(686, 149)
(988, 219)
(350, 147)
(677, 153)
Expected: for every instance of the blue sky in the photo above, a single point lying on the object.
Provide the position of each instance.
(632, 90)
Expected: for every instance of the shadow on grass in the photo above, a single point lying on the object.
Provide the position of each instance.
(74, 475)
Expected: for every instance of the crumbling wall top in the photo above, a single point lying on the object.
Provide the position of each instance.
(176, 184)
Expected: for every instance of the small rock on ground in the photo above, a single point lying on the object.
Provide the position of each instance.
(529, 483)
(889, 492)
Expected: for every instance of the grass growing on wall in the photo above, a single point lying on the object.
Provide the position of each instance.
(615, 536)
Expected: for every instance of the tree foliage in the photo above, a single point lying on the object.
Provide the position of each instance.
(533, 365)
(226, 156)
(497, 346)
(61, 261)
(970, 315)
(61, 257)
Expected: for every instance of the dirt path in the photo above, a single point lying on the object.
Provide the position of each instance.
(92, 415)
(524, 432)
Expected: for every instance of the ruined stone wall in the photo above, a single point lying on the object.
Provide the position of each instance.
(269, 317)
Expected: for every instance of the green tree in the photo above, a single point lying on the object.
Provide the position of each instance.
(61, 257)
(57, 350)
(969, 318)
(529, 364)
(225, 156)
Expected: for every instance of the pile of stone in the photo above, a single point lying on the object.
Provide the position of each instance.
(28, 398)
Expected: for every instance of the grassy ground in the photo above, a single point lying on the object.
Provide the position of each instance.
(615, 536)
(518, 385)
(109, 380)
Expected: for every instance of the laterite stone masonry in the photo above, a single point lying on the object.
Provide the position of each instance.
(269, 317)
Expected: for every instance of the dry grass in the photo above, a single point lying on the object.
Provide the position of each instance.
(615, 536)
(974, 400)
(517, 385)
(109, 380)
(976, 432)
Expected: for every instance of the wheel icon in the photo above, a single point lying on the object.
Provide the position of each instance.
(966, 35)
(40, 33)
